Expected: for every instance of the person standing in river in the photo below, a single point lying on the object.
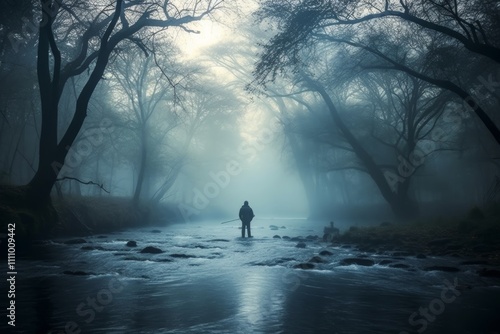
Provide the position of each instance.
(246, 215)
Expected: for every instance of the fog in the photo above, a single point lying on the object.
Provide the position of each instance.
(363, 134)
(236, 105)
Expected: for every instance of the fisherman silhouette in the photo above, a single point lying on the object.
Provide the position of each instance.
(246, 215)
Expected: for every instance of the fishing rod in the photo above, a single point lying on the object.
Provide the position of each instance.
(230, 221)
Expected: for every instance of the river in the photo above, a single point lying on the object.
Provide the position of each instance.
(209, 280)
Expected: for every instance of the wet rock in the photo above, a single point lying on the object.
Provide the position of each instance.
(367, 249)
(485, 272)
(183, 256)
(454, 247)
(131, 243)
(358, 261)
(421, 256)
(325, 253)
(273, 227)
(75, 241)
(276, 237)
(221, 240)
(92, 248)
(439, 242)
(151, 250)
(285, 237)
(316, 259)
(133, 258)
(77, 273)
(301, 245)
(399, 266)
(442, 268)
(402, 254)
(474, 262)
(283, 227)
(385, 262)
(155, 231)
(306, 266)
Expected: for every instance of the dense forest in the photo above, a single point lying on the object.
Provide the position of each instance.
(384, 109)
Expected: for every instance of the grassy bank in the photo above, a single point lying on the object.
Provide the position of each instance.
(74, 215)
(475, 235)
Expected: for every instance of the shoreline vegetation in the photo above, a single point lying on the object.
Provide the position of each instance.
(475, 235)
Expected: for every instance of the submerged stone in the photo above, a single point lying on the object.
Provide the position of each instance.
(276, 237)
(304, 266)
(399, 266)
(75, 241)
(182, 256)
(92, 248)
(151, 250)
(325, 253)
(489, 273)
(301, 245)
(358, 261)
(131, 243)
(77, 273)
(316, 259)
(442, 268)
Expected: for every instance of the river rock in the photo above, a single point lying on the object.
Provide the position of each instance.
(474, 262)
(285, 237)
(273, 227)
(325, 253)
(402, 254)
(439, 242)
(301, 245)
(131, 243)
(151, 250)
(276, 237)
(75, 241)
(442, 268)
(306, 266)
(358, 261)
(399, 266)
(92, 248)
(182, 256)
(316, 259)
(489, 273)
(77, 273)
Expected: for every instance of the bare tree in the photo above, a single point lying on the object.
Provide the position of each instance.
(93, 36)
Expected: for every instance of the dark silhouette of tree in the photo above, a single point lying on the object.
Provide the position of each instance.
(469, 28)
(93, 34)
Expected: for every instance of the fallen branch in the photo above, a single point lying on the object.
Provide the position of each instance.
(80, 181)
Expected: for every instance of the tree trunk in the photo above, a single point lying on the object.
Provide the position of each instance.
(402, 206)
(142, 168)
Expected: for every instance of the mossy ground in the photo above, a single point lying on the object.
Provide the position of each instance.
(475, 235)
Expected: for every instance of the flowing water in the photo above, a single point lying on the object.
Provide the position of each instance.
(210, 280)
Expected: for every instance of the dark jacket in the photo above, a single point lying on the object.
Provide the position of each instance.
(246, 214)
